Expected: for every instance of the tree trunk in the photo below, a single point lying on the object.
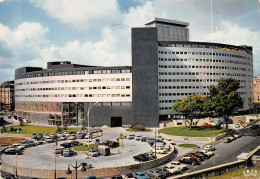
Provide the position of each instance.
(226, 120)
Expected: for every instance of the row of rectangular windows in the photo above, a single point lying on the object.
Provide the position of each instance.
(74, 81)
(186, 94)
(189, 87)
(203, 53)
(74, 88)
(73, 95)
(208, 67)
(78, 72)
(204, 73)
(201, 60)
(197, 80)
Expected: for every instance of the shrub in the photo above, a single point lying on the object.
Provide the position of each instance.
(140, 128)
(65, 127)
(12, 128)
(59, 129)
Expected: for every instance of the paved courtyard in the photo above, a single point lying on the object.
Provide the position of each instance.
(42, 156)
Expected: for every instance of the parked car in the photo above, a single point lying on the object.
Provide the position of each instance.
(143, 139)
(206, 125)
(140, 175)
(141, 158)
(130, 136)
(179, 165)
(58, 150)
(39, 136)
(150, 141)
(17, 146)
(237, 135)
(92, 153)
(81, 136)
(63, 137)
(75, 143)
(209, 148)
(12, 151)
(193, 156)
(165, 172)
(231, 138)
(67, 145)
(138, 137)
(39, 142)
(23, 143)
(112, 144)
(159, 150)
(66, 134)
(226, 140)
(189, 160)
(207, 153)
(72, 137)
(48, 140)
(68, 152)
(117, 177)
(128, 176)
(34, 136)
(31, 143)
(172, 169)
(155, 173)
(237, 125)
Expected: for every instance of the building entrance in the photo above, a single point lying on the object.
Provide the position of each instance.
(116, 121)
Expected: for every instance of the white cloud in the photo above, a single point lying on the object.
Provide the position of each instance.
(81, 14)
(26, 34)
(233, 34)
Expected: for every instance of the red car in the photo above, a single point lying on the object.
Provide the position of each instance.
(206, 125)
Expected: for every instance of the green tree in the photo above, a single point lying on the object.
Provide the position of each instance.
(223, 99)
(190, 107)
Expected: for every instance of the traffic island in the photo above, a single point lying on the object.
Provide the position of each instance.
(188, 146)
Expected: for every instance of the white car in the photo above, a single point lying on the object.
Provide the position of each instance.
(159, 150)
(63, 137)
(17, 146)
(172, 169)
(206, 152)
(88, 142)
(92, 153)
(138, 137)
(130, 136)
(72, 137)
(48, 140)
(209, 148)
(66, 134)
(59, 134)
(179, 165)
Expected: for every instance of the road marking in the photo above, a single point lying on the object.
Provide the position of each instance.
(195, 167)
(187, 171)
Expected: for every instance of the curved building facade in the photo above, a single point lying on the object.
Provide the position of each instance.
(62, 93)
(187, 68)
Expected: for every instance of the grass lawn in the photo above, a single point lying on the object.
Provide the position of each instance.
(85, 147)
(188, 145)
(37, 130)
(197, 131)
(145, 130)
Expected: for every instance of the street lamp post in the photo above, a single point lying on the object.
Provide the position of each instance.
(82, 165)
(88, 111)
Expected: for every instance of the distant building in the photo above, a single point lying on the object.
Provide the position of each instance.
(256, 93)
(7, 95)
(165, 66)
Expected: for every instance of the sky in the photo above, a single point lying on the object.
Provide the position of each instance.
(98, 32)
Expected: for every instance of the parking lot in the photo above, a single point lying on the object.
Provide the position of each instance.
(42, 156)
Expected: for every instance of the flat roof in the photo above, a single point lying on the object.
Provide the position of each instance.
(168, 21)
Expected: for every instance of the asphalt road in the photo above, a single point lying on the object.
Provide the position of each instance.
(227, 152)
